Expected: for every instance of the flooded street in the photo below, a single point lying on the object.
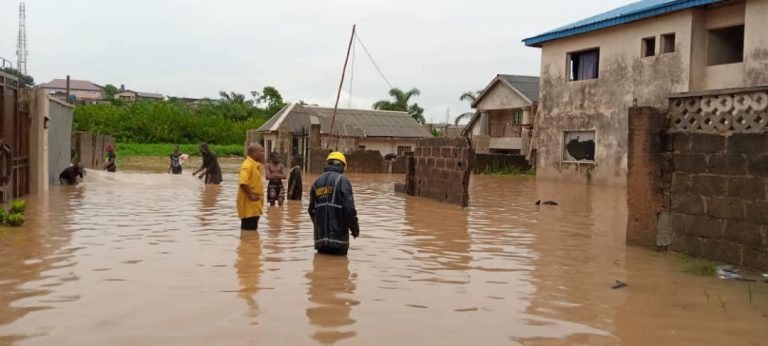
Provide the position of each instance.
(153, 259)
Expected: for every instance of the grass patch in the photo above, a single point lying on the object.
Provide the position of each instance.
(699, 266)
(510, 172)
(139, 149)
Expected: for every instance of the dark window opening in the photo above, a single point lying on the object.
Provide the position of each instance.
(649, 47)
(667, 43)
(579, 146)
(584, 65)
(725, 46)
(517, 119)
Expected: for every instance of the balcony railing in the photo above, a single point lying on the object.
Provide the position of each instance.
(742, 110)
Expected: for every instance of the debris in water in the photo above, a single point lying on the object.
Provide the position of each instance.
(728, 272)
(539, 202)
(765, 277)
(619, 284)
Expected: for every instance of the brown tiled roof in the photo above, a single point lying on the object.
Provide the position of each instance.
(73, 85)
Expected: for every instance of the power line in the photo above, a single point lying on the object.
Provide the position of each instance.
(357, 37)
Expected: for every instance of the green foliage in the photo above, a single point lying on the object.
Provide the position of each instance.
(171, 121)
(270, 99)
(3, 214)
(25, 80)
(110, 91)
(400, 103)
(142, 149)
(437, 133)
(15, 220)
(511, 172)
(18, 206)
(469, 96)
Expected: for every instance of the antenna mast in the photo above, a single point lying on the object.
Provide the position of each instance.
(21, 45)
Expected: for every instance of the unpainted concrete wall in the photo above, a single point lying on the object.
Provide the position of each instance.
(701, 194)
(440, 170)
(59, 139)
(489, 163)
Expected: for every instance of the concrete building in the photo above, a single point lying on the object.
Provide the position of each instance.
(132, 96)
(83, 91)
(505, 112)
(642, 54)
(288, 131)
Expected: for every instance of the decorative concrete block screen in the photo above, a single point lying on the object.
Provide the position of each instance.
(440, 170)
(699, 193)
(739, 110)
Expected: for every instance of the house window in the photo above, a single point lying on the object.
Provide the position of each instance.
(584, 65)
(667, 43)
(725, 46)
(517, 118)
(579, 146)
(269, 146)
(401, 150)
(649, 47)
(360, 147)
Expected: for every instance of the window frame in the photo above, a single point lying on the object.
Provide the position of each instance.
(569, 60)
(644, 47)
(709, 38)
(662, 43)
(563, 149)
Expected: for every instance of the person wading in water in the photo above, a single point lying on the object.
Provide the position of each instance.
(332, 208)
(210, 168)
(275, 175)
(111, 164)
(294, 181)
(249, 195)
(175, 166)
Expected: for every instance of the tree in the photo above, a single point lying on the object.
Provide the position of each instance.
(25, 80)
(270, 98)
(110, 91)
(400, 103)
(471, 97)
(233, 97)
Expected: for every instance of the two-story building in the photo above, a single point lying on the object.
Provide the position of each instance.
(593, 70)
(83, 91)
(504, 115)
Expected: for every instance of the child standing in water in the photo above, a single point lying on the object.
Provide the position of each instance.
(275, 175)
(294, 180)
(175, 167)
(111, 164)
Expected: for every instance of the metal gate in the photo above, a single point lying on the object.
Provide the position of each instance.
(14, 140)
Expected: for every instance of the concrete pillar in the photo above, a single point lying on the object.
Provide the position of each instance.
(755, 43)
(484, 123)
(646, 179)
(526, 115)
(38, 141)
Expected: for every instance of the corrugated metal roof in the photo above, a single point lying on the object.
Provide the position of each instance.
(150, 95)
(349, 122)
(528, 86)
(622, 15)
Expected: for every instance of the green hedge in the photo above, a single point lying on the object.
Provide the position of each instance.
(140, 149)
(171, 122)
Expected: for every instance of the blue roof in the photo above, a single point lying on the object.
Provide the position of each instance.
(622, 15)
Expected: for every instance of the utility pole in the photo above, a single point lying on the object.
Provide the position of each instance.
(21, 45)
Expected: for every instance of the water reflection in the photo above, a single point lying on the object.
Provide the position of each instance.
(331, 292)
(249, 268)
(208, 200)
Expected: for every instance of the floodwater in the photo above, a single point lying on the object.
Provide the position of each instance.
(153, 259)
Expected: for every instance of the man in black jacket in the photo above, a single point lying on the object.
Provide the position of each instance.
(332, 208)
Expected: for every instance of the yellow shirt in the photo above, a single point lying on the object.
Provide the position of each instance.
(250, 174)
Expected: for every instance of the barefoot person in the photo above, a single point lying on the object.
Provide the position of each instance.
(210, 169)
(332, 208)
(249, 195)
(275, 175)
(111, 164)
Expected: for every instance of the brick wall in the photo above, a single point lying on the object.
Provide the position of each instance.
(360, 161)
(488, 163)
(698, 193)
(719, 201)
(440, 170)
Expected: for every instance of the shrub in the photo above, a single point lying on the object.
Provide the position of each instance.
(18, 206)
(15, 219)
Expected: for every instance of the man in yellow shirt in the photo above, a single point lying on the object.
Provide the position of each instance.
(250, 201)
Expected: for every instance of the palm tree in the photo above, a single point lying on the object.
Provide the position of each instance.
(400, 103)
(471, 97)
(232, 97)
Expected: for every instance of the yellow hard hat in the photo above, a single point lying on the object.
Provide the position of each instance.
(337, 156)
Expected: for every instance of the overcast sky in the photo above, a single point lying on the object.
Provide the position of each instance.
(195, 48)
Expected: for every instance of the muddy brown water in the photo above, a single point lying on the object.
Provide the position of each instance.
(148, 259)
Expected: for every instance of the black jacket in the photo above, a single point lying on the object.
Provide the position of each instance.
(332, 209)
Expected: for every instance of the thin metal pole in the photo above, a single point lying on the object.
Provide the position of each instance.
(341, 85)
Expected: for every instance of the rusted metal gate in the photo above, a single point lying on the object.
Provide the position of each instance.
(14, 140)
